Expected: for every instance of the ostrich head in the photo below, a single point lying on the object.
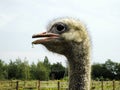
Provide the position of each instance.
(69, 37)
(61, 35)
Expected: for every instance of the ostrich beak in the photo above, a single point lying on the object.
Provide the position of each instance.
(45, 37)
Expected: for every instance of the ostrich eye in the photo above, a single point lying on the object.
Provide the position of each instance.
(60, 27)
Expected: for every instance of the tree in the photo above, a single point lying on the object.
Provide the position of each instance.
(97, 70)
(57, 71)
(33, 70)
(18, 69)
(112, 68)
(12, 70)
(3, 73)
(41, 73)
(118, 71)
(108, 70)
(25, 70)
(47, 65)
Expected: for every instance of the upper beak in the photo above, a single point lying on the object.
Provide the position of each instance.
(47, 36)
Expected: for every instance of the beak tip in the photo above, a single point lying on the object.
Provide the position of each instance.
(32, 36)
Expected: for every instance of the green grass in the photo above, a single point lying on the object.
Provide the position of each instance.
(53, 85)
(107, 85)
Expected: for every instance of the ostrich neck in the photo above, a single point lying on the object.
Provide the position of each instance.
(79, 67)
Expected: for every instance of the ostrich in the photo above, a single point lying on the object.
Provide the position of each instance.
(69, 37)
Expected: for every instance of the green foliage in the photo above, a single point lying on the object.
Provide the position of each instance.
(41, 72)
(108, 71)
(57, 67)
(47, 65)
(20, 69)
(3, 74)
(33, 70)
(57, 71)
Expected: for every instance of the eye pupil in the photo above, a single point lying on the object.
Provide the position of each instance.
(60, 27)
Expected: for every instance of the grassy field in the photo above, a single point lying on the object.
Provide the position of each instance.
(105, 85)
(54, 85)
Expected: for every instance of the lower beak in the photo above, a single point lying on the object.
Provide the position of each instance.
(45, 35)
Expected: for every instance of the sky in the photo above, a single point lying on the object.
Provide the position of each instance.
(20, 19)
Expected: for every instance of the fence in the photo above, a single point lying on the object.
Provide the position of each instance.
(105, 85)
(55, 85)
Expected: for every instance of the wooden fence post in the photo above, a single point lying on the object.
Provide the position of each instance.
(38, 84)
(17, 85)
(58, 85)
(102, 85)
(24, 83)
(113, 84)
(11, 83)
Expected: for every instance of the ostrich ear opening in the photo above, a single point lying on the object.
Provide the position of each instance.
(44, 37)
